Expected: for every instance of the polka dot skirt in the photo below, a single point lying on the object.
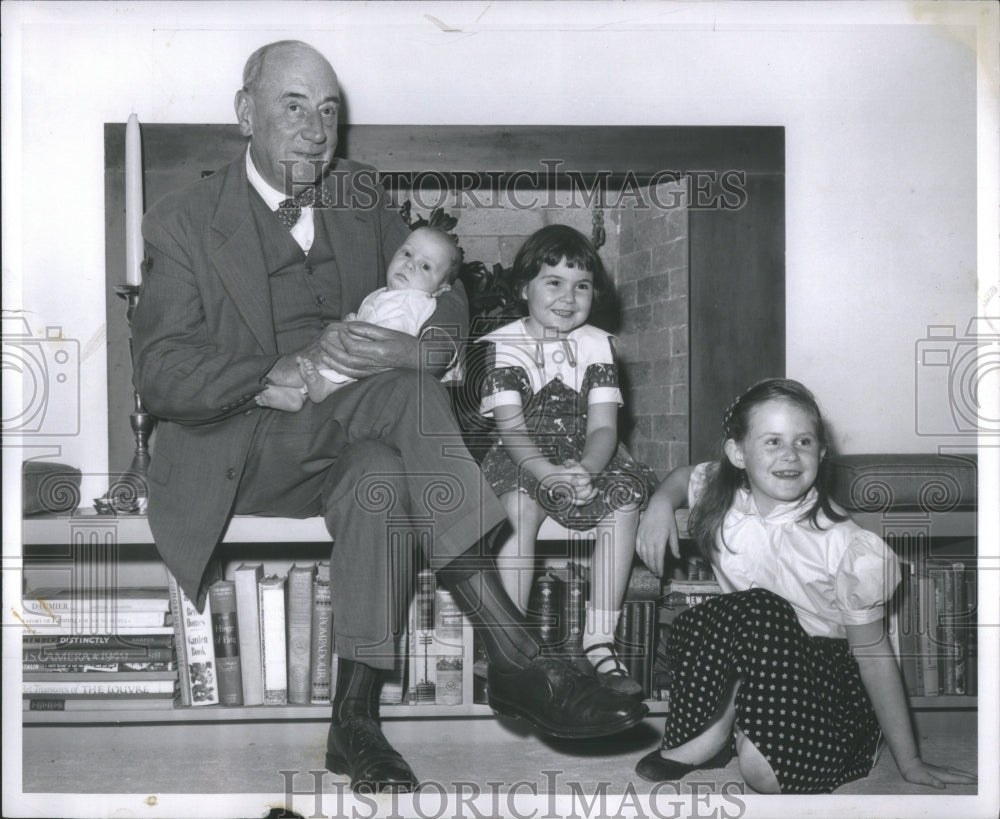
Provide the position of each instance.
(801, 700)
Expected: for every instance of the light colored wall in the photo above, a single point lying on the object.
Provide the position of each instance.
(879, 112)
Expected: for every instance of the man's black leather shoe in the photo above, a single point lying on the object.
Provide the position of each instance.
(359, 749)
(561, 701)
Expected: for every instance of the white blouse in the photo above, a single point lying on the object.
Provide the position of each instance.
(833, 576)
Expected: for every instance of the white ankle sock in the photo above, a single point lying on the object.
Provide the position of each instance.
(599, 627)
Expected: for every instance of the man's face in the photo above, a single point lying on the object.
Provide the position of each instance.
(291, 118)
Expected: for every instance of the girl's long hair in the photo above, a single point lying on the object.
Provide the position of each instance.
(724, 479)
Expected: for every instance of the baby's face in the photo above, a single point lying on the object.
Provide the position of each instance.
(421, 262)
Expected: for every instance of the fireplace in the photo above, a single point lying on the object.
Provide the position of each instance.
(690, 221)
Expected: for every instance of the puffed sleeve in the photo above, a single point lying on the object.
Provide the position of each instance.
(697, 482)
(866, 578)
(502, 386)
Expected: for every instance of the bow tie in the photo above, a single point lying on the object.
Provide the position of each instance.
(290, 210)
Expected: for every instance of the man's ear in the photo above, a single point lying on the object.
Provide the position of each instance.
(244, 112)
(735, 454)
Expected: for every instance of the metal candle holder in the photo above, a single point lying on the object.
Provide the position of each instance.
(129, 494)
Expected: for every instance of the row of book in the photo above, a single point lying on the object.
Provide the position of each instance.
(260, 640)
(88, 650)
(934, 628)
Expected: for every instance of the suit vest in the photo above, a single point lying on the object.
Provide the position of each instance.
(305, 287)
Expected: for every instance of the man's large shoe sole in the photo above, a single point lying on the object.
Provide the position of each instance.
(335, 763)
(513, 709)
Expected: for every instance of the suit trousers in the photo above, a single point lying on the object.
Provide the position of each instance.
(382, 460)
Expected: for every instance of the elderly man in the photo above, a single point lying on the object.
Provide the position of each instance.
(240, 282)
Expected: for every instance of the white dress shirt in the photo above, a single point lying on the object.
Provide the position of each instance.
(303, 230)
(835, 576)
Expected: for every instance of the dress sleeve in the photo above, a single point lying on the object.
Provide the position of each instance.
(866, 578)
(697, 482)
(502, 386)
(601, 383)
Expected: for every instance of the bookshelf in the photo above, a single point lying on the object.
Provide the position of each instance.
(58, 541)
(55, 543)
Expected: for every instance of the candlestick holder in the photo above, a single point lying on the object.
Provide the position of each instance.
(129, 493)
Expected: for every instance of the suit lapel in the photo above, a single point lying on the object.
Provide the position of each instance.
(238, 259)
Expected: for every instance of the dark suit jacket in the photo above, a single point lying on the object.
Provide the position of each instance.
(204, 339)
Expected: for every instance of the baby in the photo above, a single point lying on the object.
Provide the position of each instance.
(421, 269)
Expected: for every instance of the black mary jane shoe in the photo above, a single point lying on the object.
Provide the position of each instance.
(611, 671)
(654, 768)
(357, 747)
(561, 701)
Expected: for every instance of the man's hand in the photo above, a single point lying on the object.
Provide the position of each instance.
(361, 349)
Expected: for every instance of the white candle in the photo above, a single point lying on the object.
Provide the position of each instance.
(133, 202)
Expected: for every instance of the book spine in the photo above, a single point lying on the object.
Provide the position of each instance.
(546, 588)
(96, 704)
(138, 654)
(246, 579)
(928, 636)
(299, 638)
(94, 623)
(97, 668)
(226, 641)
(322, 636)
(945, 585)
(93, 642)
(960, 629)
(90, 677)
(648, 631)
(182, 695)
(972, 637)
(100, 688)
(423, 670)
(448, 648)
(272, 640)
(906, 632)
(61, 602)
(574, 607)
(199, 651)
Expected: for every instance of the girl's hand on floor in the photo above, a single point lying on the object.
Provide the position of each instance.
(936, 776)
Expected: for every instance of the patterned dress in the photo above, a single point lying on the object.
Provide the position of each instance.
(555, 381)
(780, 629)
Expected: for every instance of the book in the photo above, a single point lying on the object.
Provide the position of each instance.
(972, 636)
(903, 626)
(944, 597)
(85, 642)
(928, 635)
(97, 668)
(274, 662)
(574, 604)
(449, 648)
(322, 637)
(422, 668)
(84, 655)
(646, 634)
(547, 605)
(57, 600)
(226, 641)
(196, 684)
(298, 622)
(246, 577)
(46, 703)
(66, 629)
(960, 628)
(99, 687)
(96, 622)
(87, 676)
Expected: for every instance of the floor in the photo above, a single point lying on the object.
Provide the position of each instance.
(487, 767)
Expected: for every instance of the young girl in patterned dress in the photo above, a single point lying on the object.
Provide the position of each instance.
(551, 385)
(793, 660)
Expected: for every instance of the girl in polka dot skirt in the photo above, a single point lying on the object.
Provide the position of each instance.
(792, 661)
